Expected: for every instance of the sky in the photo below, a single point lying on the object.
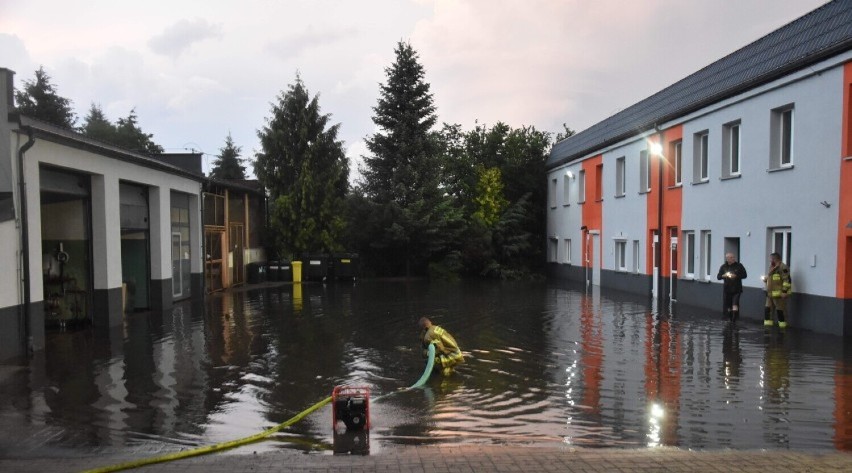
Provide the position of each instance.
(196, 71)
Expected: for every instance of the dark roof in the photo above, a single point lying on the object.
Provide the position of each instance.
(248, 185)
(822, 33)
(76, 140)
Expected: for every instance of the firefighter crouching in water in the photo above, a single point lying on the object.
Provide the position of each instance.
(778, 288)
(447, 351)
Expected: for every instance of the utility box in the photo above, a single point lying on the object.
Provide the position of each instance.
(345, 266)
(297, 271)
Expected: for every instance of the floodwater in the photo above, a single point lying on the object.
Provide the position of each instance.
(547, 363)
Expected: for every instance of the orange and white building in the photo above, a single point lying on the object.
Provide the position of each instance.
(750, 155)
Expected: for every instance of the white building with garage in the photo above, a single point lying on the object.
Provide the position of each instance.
(86, 227)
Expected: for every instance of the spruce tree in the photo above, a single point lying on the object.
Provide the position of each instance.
(305, 169)
(229, 165)
(40, 100)
(97, 126)
(130, 136)
(402, 174)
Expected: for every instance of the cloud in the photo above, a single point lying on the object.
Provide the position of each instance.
(307, 40)
(177, 38)
(15, 55)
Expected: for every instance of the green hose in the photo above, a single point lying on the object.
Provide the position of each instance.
(430, 363)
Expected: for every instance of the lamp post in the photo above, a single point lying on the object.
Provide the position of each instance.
(656, 149)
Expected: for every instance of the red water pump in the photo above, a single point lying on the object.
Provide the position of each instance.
(351, 406)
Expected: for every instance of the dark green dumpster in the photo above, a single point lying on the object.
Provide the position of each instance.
(345, 266)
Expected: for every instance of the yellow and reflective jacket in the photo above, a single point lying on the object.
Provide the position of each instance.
(778, 281)
(445, 344)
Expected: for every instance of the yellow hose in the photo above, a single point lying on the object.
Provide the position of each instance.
(430, 362)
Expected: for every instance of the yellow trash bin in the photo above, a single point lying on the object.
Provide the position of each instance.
(297, 271)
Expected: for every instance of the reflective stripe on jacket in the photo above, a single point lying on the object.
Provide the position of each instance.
(778, 281)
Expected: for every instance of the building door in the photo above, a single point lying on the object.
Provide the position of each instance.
(594, 253)
(66, 247)
(673, 264)
(237, 246)
(177, 265)
(655, 280)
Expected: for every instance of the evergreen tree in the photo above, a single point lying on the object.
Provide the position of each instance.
(305, 169)
(40, 100)
(130, 136)
(229, 165)
(402, 175)
(97, 126)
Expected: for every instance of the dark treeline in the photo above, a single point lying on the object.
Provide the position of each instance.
(431, 200)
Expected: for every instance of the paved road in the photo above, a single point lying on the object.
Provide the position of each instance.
(469, 459)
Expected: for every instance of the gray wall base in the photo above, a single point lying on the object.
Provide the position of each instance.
(817, 313)
(108, 310)
(161, 294)
(13, 341)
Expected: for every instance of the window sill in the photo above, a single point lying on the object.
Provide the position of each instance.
(732, 176)
(581, 203)
(566, 205)
(705, 181)
(597, 201)
(676, 186)
(782, 168)
(620, 196)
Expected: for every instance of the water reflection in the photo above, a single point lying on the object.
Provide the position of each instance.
(545, 364)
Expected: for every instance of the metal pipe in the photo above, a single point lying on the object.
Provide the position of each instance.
(26, 336)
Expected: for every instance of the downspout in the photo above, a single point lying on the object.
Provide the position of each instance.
(25, 242)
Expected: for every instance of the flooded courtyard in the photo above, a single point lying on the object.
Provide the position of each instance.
(546, 364)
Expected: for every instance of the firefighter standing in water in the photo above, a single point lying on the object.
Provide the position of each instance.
(447, 351)
(778, 288)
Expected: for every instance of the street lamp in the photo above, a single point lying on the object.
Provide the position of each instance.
(656, 149)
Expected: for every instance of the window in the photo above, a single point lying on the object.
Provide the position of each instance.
(621, 255)
(581, 187)
(644, 172)
(636, 255)
(620, 183)
(731, 147)
(552, 195)
(706, 255)
(552, 249)
(782, 242)
(678, 162)
(567, 254)
(566, 188)
(689, 254)
(700, 156)
(781, 147)
(599, 183)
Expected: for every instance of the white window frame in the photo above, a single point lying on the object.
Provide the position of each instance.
(552, 249)
(636, 254)
(581, 187)
(688, 254)
(644, 172)
(706, 254)
(677, 148)
(701, 156)
(620, 177)
(566, 189)
(552, 193)
(782, 137)
(566, 258)
(621, 255)
(732, 142)
(781, 242)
